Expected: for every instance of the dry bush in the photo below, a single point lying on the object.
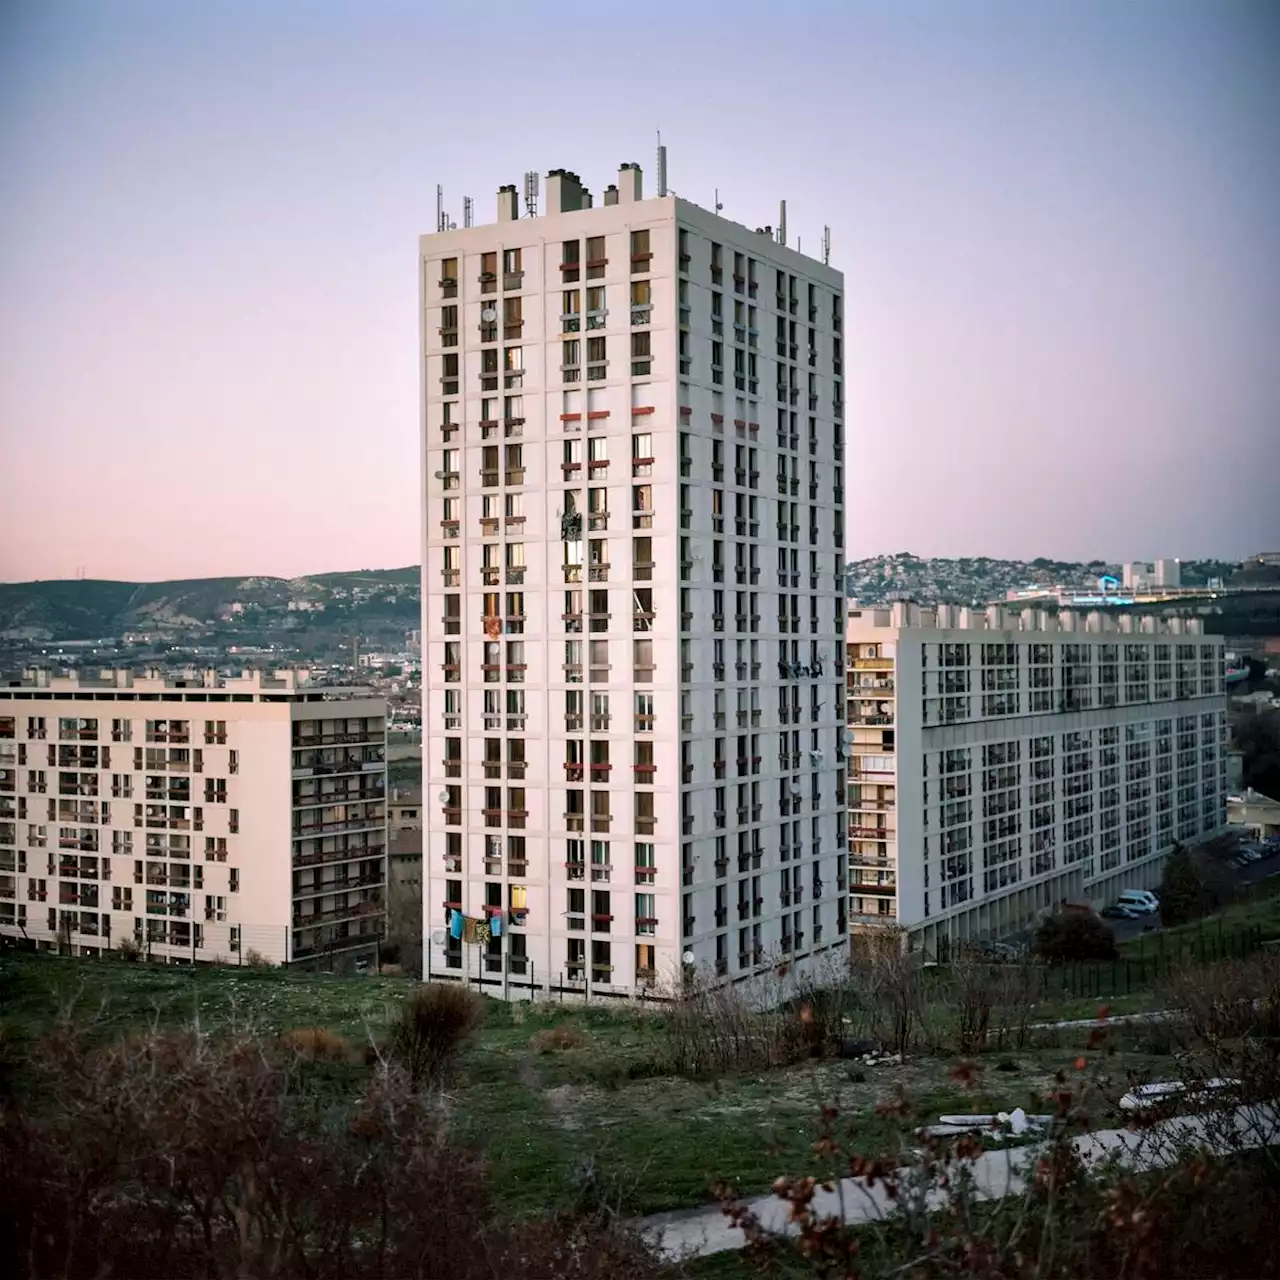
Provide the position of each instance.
(191, 1157)
(713, 1028)
(556, 1039)
(1200, 1213)
(317, 1044)
(256, 960)
(1229, 999)
(974, 995)
(889, 981)
(430, 1027)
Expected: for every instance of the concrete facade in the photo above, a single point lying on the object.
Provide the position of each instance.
(1002, 763)
(632, 446)
(203, 817)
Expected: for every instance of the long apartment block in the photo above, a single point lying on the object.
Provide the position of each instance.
(203, 817)
(1005, 763)
(633, 610)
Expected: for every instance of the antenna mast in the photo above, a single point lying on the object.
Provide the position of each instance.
(467, 209)
(531, 193)
(782, 222)
(441, 225)
(826, 246)
(662, 166)
(719, 206)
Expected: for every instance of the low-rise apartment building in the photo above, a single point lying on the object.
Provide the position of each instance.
(1003, 763)
(205, 818)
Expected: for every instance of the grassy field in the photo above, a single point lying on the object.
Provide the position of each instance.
(593, 1118)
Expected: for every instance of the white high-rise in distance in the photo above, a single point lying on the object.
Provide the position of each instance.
(633, 608)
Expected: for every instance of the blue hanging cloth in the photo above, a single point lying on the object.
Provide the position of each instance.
(495, 926)
(455, 923)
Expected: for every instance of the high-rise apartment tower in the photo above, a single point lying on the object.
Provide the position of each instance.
(633, 610)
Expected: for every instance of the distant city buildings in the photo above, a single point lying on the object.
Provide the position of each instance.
(1001, 764)
(633, 595)
(1139, 576)
(200, 817)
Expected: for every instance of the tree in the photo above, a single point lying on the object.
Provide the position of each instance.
(1075, 935)
(1181, 893)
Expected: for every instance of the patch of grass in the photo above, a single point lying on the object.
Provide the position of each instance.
(548, 1091)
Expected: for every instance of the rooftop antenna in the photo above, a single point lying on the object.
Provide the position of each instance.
(441, 223)
(662, 166)
(719, 206)
(782, 222)
(467, 211)
(826, 246)
(531, 193)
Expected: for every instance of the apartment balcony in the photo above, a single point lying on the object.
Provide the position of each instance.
(371, 736)
(306, 831)
(338, 886)
(323, 857)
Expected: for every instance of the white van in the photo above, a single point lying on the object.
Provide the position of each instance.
(1142, 900)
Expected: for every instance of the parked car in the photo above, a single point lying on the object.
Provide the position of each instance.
(1117, 911)
(1141, 901)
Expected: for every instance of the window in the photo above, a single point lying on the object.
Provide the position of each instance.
(641, 361)
(642, 661)
(596, 261)
(511, 266)
(571, 359)
(449, 374)
(570, 263)
(512, 317)
(640, 255)
(449, 277)
(644, 716)
(597, 358)
(571, 306)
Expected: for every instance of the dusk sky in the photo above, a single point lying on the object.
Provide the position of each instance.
(1059, 225)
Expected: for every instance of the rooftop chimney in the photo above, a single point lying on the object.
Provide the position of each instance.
(611, 194)
(564, 192)
(508, 204)
(630, 184)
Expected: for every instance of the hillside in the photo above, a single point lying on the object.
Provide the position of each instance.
(87, 609)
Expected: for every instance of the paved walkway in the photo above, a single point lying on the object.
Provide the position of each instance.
(995, 1174)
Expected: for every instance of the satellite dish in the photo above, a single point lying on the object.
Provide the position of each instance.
(488, 315)
(443, 797)
(687, 957)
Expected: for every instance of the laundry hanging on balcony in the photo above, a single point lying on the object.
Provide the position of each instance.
(495, 924)
(455, 924)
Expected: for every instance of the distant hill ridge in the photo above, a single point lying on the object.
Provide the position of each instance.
(89, 609)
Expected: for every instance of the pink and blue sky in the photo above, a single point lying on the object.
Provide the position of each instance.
(1059, 222)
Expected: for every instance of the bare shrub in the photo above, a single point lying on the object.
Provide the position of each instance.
(1016, 988)
(1195, 1211)
(256, 960)
(973, 991)
(557, 1039)
(128, 949)
(317, 1044)
(191, 1157)
(430, 1027)
(713, 1029)
(1229, 999)
(889, 980)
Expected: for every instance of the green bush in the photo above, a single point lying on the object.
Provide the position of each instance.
(1075, 936)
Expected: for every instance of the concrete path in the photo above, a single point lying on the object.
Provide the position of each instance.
(995, 1174)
